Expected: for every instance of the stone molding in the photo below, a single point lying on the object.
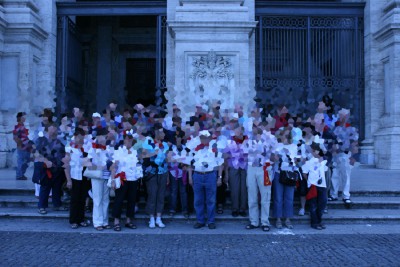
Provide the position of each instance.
(211, 2)
(212, 27)
(23, 20)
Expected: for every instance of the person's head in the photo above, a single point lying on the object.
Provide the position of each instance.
(239, 131)
(111, 133)
(128, 140)
(21, 117)
(284, 135)
(322, 108)
(126, 124)
(205, 136)
(101, 135)
(139, 108)
(233, 123)
(282, 111)
(216, 130)
(78, 113)
(344, 115)
(47, 116)
(177, 121)
(316, 150)
(159, 133)
(79, 136)
(127, 113)
(52, 129)
(64, 119)
(112, 106)
(96, 118)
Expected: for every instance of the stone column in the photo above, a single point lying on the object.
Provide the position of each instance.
(104, 62)
(385, 85)
(372, 104)
(210, 53)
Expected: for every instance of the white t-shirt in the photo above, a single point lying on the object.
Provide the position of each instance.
(316, 172)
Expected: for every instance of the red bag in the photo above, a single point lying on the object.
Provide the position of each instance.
(312, 192)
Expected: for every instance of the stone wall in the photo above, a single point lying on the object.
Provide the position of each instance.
(27, 59)
(209, 40)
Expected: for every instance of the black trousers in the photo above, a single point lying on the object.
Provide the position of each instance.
(221, 194)
(78, 197)
(128, 191)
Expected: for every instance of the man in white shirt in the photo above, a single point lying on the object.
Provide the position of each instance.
(206, 162)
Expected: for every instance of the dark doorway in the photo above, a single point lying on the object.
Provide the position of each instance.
(140, 81)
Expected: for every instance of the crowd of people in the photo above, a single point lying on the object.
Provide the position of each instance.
(146, 149)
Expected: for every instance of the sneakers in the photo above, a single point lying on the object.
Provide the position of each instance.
(22, 178)
(301, 212)
(152, 223)
(159, 222)
(211, 226)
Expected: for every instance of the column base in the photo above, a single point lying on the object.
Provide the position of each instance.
(367, 153)
(387, 152)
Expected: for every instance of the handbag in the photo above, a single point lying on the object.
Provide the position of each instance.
(39, 172)
(289, 177)
(93, 174)
(116, 181)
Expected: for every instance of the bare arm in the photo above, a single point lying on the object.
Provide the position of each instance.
(67, 169)
(190, 173)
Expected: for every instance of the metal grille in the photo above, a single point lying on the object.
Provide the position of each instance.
(69, 65)
(161, 68)
(299, 59)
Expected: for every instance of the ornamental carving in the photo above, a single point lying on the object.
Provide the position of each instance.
(211, 75)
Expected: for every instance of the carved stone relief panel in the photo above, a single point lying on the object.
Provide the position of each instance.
(211, 78)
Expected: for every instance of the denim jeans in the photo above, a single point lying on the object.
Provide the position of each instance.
(283, 198)
(317, 206)
(23, 157)
(177, 185)
(55, 185)
(205, 190)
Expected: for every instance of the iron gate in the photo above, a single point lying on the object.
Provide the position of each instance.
(69, 65)
(300, 58)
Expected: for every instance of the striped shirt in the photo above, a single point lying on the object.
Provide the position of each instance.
(22, 133)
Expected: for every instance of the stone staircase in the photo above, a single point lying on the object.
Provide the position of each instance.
(368, 207)
(375, 195)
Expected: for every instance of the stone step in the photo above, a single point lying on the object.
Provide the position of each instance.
(29, 191)
(343, 216)
(364, 202)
